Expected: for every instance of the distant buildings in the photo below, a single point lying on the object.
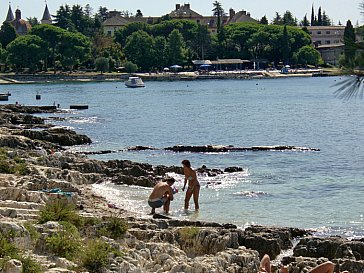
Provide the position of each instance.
(329, 41)
(22, 26)
(117, 21)
(326, 35)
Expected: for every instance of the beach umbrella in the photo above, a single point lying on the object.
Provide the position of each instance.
(175, 67)
(205, 66)
(166, 69)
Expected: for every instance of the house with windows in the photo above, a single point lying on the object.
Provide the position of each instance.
(329, 41)
(326, 35)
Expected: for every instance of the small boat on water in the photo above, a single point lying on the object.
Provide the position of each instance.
(134, 82)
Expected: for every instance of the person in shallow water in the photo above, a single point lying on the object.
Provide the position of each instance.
(162, 195)
(326, 267)
(193, 187)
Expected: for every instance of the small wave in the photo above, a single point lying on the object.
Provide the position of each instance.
(63, 127)
(251, 194)
(83, 120)
(346, 232)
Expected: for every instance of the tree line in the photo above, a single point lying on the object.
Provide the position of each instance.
(77, 40)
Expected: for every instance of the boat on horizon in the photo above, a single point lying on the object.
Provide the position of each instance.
(134, 82)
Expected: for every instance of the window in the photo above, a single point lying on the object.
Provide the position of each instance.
(109, 32)
(328, 42)
(327, 31)
(319, 32)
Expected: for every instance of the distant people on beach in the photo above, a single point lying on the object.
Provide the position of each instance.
(162, 195)
(193, 186)
(326, 267)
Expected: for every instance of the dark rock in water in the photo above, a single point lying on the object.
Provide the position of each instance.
(268, 240)
(61, 136)
(135, 171)
(160, 216)
(140, 148)
(198, 149)
(17, 118)
(102, 152)
(135, 181)
(28, 109)
(162, 170)
(331, 248)
(233, 169)
(230, 148)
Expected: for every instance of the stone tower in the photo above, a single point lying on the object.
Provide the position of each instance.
(10, 16)
(46, 19)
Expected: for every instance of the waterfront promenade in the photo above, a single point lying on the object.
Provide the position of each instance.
(13, 78)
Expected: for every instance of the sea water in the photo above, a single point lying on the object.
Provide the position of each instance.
(321, 190)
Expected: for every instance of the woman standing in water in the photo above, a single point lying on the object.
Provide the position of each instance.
(193, 187)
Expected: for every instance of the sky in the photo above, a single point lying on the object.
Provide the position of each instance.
(337, 10)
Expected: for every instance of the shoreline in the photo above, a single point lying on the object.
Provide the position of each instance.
(41, 78)
(186, 246)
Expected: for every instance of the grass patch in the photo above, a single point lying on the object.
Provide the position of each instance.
(7, 248)
(60, 210)
(33, 232)
(66, 242)
(188, 233)
(30, 266)
(96, 255)
(12, 166)
(114, 228)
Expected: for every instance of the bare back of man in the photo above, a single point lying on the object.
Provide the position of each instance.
(162, 195)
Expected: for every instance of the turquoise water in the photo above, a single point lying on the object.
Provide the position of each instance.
(321, 190)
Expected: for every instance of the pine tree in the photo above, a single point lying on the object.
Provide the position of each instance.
(264, 20)
(325, 20)
(349, 41)
(305, 22)
(313, 17)
(277, 20)
(319, 17)
(219, 13)
(286, 51)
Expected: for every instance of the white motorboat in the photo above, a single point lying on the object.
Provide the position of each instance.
(134, 82)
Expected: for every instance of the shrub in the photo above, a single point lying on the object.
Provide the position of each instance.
(30, 266)
(95, 256)
(189, 233)
(21, 169)
(102, 64)
(130, 67)
(34, 234)
(59, 210)
(5, 166)
(65, 243)
(114, 228)
(7, 248)
(88, 227)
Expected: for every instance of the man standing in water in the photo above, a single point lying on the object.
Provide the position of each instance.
(162, 195)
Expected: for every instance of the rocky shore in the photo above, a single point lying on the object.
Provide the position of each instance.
(38, 173)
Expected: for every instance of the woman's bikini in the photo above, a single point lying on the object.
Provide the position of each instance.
(190, 188)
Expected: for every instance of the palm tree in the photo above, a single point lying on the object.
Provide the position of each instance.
(218, 12)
